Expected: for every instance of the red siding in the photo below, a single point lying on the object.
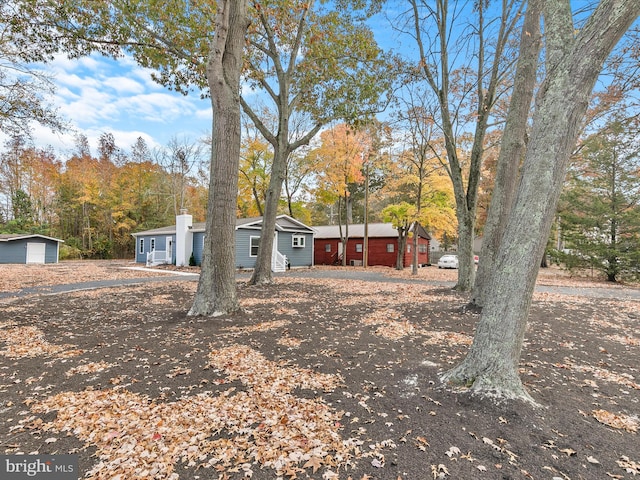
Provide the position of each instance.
(320, 255)
(378, 254)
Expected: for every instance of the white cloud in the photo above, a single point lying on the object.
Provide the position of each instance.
(126, 85)
(97, 94)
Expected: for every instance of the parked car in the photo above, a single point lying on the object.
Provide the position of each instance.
(448, 261)
(476, 259)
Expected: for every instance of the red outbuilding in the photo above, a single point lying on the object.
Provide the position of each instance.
(382, 245)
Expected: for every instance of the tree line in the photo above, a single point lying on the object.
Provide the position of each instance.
(95, 202)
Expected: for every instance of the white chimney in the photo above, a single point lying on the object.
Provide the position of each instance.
(184, 238)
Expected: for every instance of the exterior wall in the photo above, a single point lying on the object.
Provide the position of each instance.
(160, 245)
(243, 258)
(377, 255)
(15, 251)
(423, 257)
(320, 254)
(198, 247)
(297, 256)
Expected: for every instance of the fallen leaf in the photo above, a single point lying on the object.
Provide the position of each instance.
(568, 451)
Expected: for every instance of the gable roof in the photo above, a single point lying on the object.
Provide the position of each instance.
(356, 230)
(283, 223)
(8, 237)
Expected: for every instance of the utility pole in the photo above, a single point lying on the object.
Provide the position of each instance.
(365, 254)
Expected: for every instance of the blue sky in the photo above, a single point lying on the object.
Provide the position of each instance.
(100, 95)
(97, 94)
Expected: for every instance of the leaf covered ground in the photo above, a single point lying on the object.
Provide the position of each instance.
(321, 378)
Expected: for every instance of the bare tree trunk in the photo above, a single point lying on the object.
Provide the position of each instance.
(216, 293)
(511, 151)
(262, 270)
(466, 229)
(574, 63)
(488, 77)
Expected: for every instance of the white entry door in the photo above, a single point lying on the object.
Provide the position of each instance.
(36, 252)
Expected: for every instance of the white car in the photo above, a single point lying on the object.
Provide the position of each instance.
(448, 261)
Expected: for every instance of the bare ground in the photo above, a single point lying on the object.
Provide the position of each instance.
(317, 378)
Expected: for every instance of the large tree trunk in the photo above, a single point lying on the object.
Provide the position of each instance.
(216, 293)
(262, 271)
(511, 151)
(491, 367)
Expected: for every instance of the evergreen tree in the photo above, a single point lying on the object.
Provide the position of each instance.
(600, 211)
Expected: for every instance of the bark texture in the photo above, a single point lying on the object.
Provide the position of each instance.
(262, 271)
(511, 151)
(216, 293)
(574, 63)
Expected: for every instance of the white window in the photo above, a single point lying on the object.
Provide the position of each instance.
(327, 247)
(390, 248)
(153, 244)
(297, 241)
(254, 242)
(408, 247)
(358, 247)
(141, 245)
(422, 248)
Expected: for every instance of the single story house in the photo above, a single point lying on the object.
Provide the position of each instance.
(29, 248)
(293, 245)
(382, 242)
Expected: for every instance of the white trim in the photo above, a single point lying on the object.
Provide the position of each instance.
(251, 246)
(141, 249)
(298, 241)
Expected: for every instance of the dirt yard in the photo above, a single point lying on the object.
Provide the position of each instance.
(317, 378)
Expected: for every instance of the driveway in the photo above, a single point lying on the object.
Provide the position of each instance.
(581, 289)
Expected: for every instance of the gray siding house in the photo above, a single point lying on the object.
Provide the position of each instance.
(29, 248)
(293, 246)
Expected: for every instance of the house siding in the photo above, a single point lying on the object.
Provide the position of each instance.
(297, 256)
(377, 255)
(15, 251)
(245, 229)
(243, 257)
(321, 256)
(198, 247)
(160, 245)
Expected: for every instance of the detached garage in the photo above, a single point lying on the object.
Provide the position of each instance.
(28, 248)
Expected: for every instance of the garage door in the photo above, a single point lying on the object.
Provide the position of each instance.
(36, 252)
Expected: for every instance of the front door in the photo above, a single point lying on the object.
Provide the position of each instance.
(169, 249)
